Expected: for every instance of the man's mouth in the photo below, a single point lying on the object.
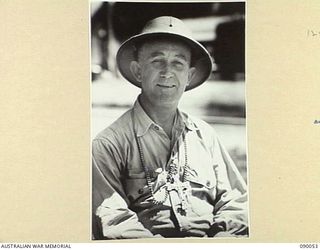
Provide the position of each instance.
(166, 86)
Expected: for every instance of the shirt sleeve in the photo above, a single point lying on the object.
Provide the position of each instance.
(109, 202)
(230, 211)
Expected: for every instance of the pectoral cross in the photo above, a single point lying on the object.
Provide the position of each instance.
(183, 190)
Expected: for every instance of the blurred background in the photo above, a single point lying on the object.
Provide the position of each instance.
(220, 27)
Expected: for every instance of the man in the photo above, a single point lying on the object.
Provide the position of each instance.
(158, 172)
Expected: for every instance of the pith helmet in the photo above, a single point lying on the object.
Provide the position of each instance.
(171, 27)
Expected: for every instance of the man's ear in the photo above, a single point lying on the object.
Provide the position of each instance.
(136, 70)
(191, 74)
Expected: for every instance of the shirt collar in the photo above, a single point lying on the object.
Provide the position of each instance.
(143, 122)
(185, 121)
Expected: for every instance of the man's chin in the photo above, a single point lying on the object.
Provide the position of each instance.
(167, 102)
(163, 100)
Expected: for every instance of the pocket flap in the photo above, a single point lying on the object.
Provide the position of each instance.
(135, 188)
(203, 178)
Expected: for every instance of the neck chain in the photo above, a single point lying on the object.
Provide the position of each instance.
(172, 172)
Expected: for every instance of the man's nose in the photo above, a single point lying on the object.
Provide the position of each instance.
(166, 71)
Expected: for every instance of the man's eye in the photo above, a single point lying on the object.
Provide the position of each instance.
(156, 61)
(178, 64)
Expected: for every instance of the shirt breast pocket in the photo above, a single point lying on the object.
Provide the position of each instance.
(200, 170)
(203, 187)
(135, 184)
(203, 182)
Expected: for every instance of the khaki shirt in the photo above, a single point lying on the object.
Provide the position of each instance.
(122, 202)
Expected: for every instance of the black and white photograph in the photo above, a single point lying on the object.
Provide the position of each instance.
(168, 120)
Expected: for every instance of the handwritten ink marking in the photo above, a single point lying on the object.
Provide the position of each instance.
(313, 33)
(316, 121)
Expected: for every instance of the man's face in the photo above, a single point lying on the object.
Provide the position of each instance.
(163, 68)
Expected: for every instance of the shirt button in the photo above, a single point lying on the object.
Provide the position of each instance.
(208, 183)
(156, 127)
(140, 191)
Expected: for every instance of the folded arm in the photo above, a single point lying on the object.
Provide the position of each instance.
(230, 212)
(110, 204)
